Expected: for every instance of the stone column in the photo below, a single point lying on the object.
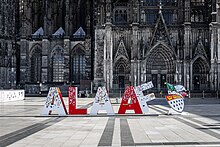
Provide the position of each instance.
(1, 17)
(99, 57)
(108, 56)
(45, 17)
(67, 63)
(214, 57)
(214, 48)
(187, 50)
(135, 75)
(23, 62)
(24, 43)
(26, 20)
(45, 60)
(218, 44)
(187, 54)
(178, 75)
(67, 18)
(88, 58)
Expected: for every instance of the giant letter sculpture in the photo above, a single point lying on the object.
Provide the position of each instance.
(129, 93)
(144, 99)
(102, 102)
(73, 102)
(55, 102)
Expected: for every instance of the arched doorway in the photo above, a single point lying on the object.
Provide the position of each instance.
(160, 66)
(121, 73)
(200, 73)
(77, 64)
(35, 64)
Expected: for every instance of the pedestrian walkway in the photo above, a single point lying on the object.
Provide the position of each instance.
(22, 125)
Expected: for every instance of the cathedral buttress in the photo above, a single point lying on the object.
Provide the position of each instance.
(187, 34)
(215, 53)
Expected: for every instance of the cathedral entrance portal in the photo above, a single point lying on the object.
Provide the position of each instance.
(200, 73)
(121, 72)
(160, 66)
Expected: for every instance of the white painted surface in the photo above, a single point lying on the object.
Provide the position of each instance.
(143, 99)
(11, 95)
(54, 102)
(102, 102)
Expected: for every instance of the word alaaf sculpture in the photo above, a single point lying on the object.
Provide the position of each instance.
(138, 100)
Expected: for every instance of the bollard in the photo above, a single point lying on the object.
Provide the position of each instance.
(203, 94)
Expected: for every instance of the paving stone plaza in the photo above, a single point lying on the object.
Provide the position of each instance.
(21, 124)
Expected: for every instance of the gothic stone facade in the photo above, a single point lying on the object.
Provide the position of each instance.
(117, 43)
(55, 44)
(174, 41)
(8, 43)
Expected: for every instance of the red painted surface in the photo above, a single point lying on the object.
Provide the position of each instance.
(61, 98)
(129, 94)
(72, 102)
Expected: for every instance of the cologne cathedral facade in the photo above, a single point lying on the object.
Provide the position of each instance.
(173, 41)
(115, 43)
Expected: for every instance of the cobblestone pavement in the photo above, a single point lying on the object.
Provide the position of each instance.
(21, 124)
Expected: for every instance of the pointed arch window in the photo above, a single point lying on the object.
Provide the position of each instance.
(36, 61)
(151, 16)
(120, 15)
(168, 16)
(78, 64)
(58, 65)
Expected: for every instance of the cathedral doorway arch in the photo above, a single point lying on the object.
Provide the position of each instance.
(200, 71)
(77, 64)
(120, 70)
(35, 64)
(121, 73)
(160, 65)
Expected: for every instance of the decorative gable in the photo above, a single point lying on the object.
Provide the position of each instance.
(200, 49)
(80, 33)
(121, 51)
(59, 32)
(161, 32)
(39, 32)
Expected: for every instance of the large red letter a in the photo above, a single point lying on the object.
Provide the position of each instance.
(129, 93)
